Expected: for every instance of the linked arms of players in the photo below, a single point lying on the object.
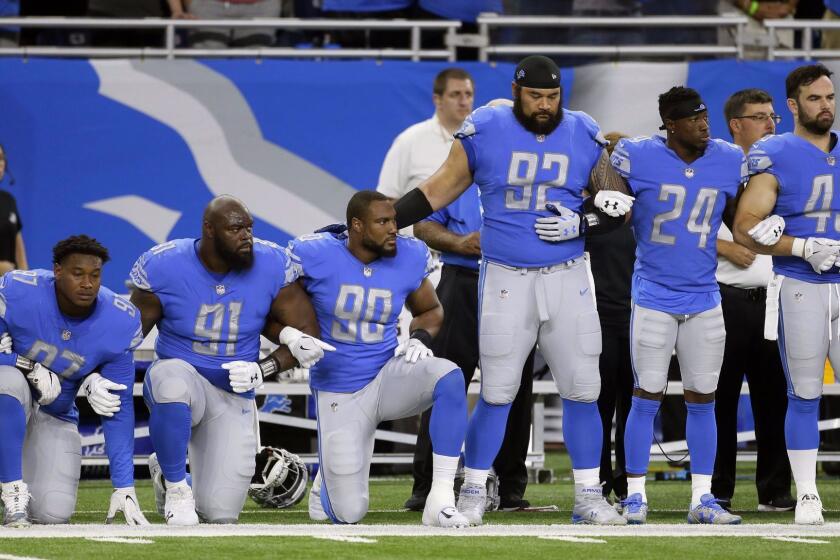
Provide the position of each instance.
(427, 314)
(291, 323)
(46, 383)
(447, 183)
(755, 229)
(439, 238)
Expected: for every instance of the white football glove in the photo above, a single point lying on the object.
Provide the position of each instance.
(306, 349)
(244, 376)
(125, 500)
(820, 253)
(562, 227)
(6, 343)
(97, 389)
(768, 231)
(613, 203)
(414, 350)
(45, 382)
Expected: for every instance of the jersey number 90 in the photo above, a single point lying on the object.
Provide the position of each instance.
(351, 323)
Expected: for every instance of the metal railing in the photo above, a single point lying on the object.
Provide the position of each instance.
(415, 52)
(807, 27)
(488, 21)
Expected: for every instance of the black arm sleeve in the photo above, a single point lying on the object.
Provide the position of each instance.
(597, 222)
(412, 208)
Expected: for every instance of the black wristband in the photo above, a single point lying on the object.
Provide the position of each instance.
(412, 208)
(423, 336)
(596, 222)
(268, 366)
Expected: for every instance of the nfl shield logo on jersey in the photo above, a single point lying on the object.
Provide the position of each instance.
(220, 289)
(830, 160)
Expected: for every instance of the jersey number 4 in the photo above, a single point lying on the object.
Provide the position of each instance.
(822, 191)
(704, 203)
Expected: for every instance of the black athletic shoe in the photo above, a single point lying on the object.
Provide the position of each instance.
(782, 503)
(513, 503)
(415, 503)
(725, 503)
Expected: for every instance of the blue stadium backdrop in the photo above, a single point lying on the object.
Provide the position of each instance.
(131, 151)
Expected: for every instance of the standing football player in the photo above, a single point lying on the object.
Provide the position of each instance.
(793, 177)
(682, 184)
(532, 163)
(210, 298)
(64, 321)
(358, 283)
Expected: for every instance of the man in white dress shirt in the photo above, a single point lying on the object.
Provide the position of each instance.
(743, 277)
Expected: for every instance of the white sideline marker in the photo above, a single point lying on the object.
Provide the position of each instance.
(344, 538)
(796, 540)
(12, 557)
(575, 540)
(122, 540)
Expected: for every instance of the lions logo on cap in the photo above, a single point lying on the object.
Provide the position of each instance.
(521, 74)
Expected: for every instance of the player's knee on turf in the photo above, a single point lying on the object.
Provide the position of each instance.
(14, 384)
(54, 508)
(350, 511)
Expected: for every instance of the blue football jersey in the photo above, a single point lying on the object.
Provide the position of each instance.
(357, 304)
(806, 200)
(209, 319)
(73, 348)
(518, 172)
(462, 217)
(676, 217)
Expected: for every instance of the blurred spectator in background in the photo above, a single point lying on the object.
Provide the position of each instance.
(220, 37)
(12, 251)
(743, 277)
(127, 9)
(605, 36)
(9, 35)
(831, 37)
(368, 9)
(768, 9)
(48, 36)
(612, 256)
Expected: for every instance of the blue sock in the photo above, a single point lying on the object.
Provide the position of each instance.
(701, 436)
(169, 427)
(12, 432)
(638, 434)
(583, 433)
(485, 433)
(801, 429)
(448, 423)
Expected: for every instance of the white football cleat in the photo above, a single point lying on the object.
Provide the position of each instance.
(316, 509)
(15, 504)
(440, 510)
(180, 506)
(809, 510)
(472, 499)
(157, 483)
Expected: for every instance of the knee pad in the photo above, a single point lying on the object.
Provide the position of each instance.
(169, 385)
(499, 381)
(499, 394)
(14, 384)
(808, 389)
(343, 450)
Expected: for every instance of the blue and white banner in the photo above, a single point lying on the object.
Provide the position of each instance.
(130, 152)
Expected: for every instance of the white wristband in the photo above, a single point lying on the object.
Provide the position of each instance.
(798, 249)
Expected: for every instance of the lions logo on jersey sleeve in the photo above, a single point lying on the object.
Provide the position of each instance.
(146, 272)
(762, 154)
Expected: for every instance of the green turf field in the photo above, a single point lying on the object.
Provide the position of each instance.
(389, 532)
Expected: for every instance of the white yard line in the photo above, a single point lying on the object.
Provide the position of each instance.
(796, 540)
(588, 540)
(343, 538)
(123, 540)
(12, 557)
(313, 530)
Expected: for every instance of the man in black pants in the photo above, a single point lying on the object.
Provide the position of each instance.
(611, 258)
(454, 231)
(743, 276)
